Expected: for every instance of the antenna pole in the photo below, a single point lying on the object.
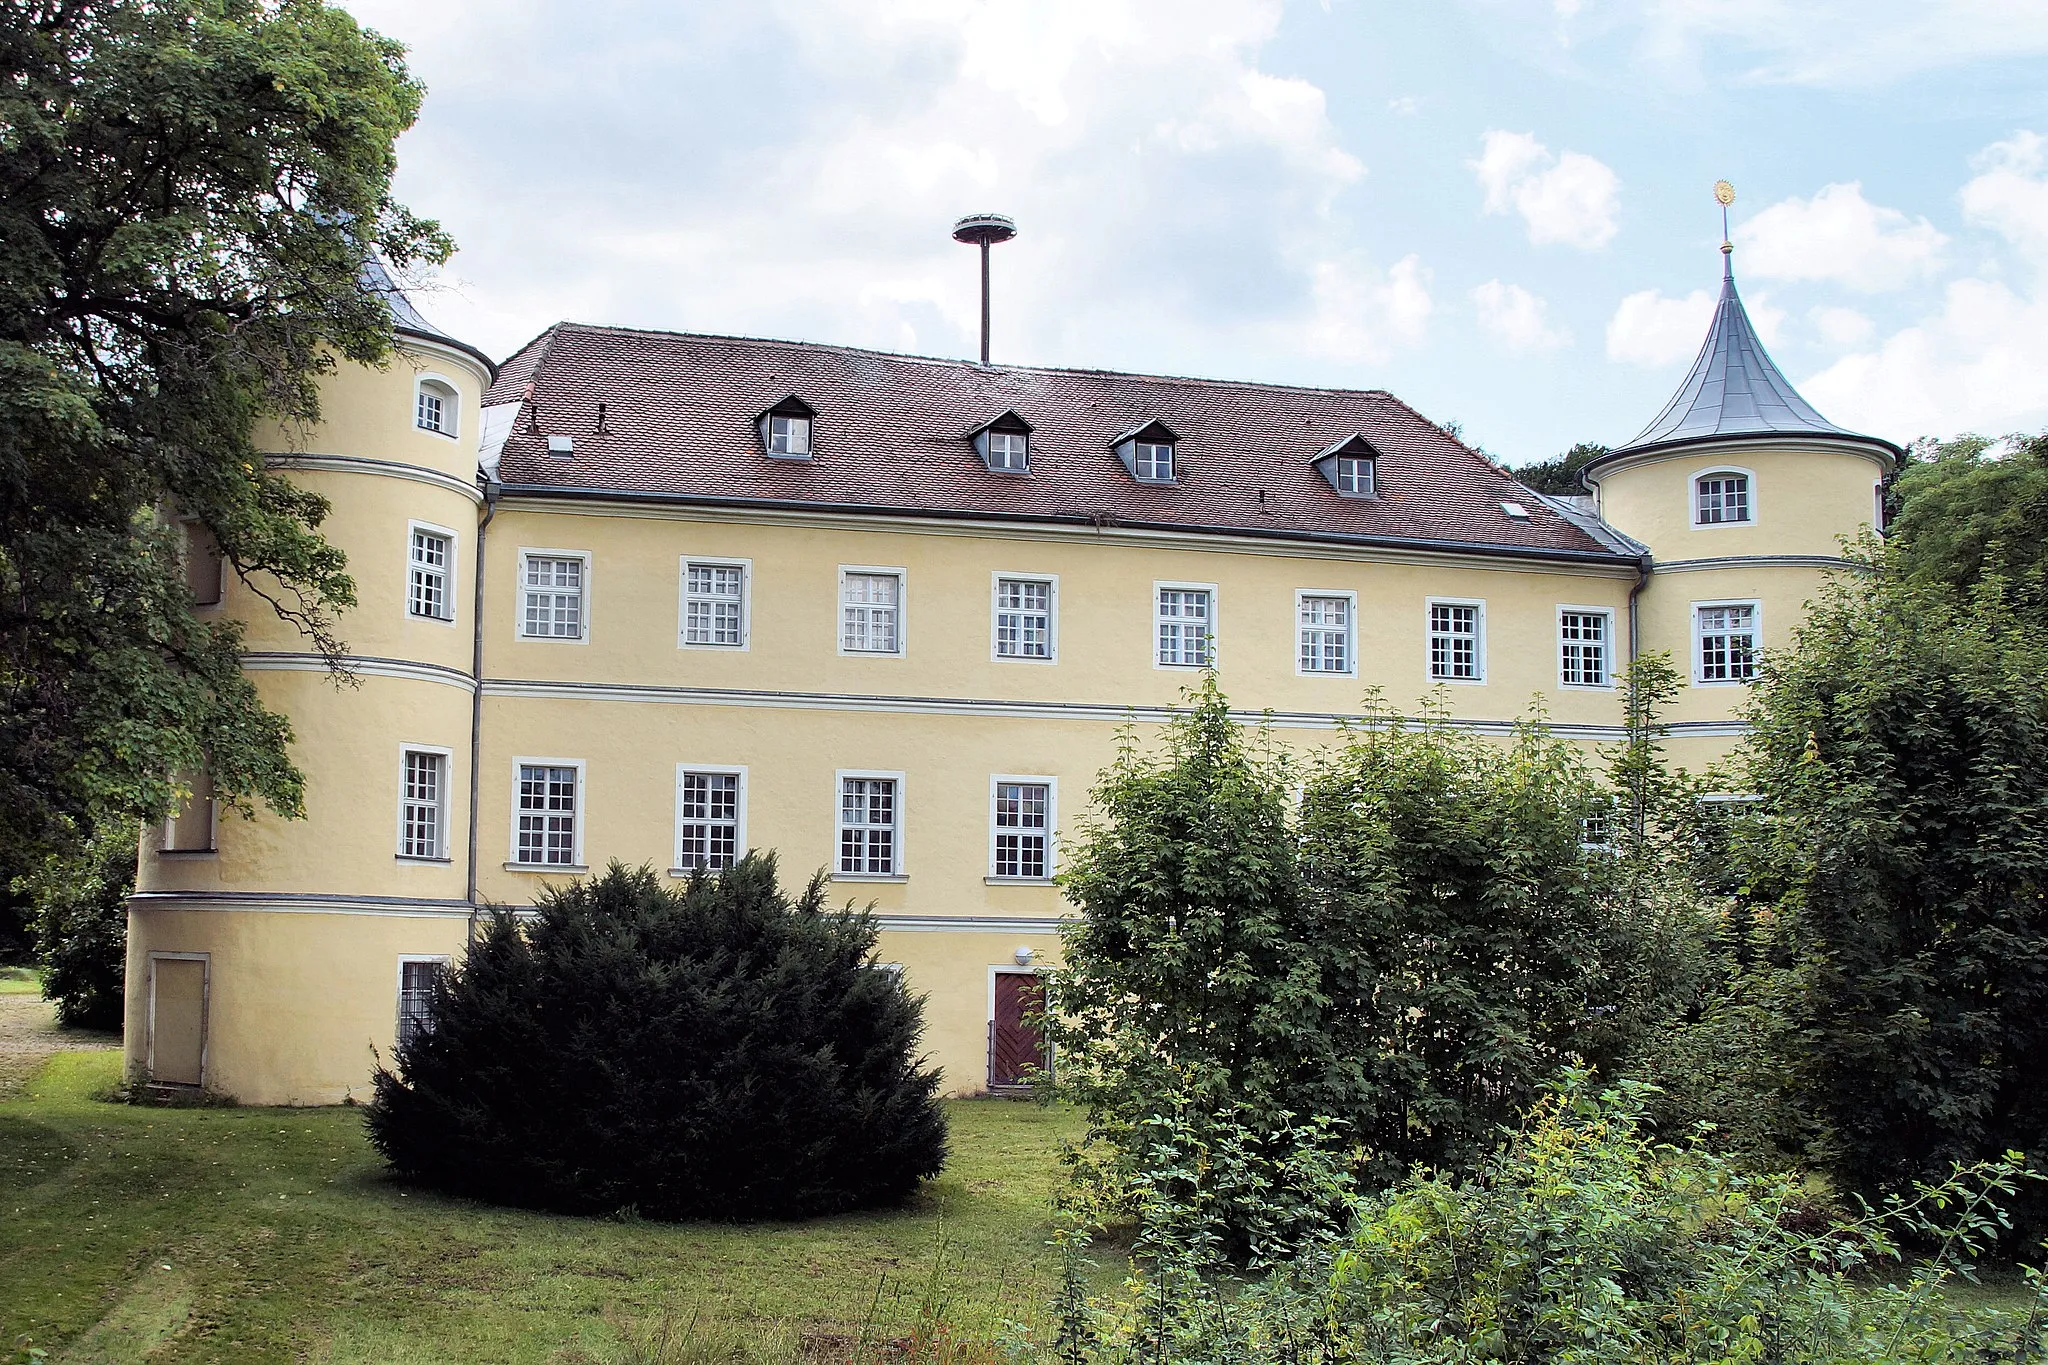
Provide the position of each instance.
(984, 300)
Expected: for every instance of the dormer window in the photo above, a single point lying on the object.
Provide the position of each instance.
(1148, 453)
(434, 406)
(1005, 445)
(786, 429)
(1352, 467)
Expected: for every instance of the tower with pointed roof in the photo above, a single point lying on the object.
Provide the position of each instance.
(1741, 496)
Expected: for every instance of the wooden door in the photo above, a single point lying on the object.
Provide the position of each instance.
(1015, 1048)
(177, 1020)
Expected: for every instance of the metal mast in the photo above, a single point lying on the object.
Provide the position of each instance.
(984, 230)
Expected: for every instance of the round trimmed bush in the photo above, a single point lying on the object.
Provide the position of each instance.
(717, 1051)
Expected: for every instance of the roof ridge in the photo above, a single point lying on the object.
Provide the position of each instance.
(951, 363)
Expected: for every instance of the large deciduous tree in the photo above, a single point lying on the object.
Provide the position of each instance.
(189, 191)
(1969, 508)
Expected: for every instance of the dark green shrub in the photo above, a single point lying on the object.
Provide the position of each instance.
(81, 925)
(716, 1052)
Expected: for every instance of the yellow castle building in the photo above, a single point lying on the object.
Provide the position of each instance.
(664, 598)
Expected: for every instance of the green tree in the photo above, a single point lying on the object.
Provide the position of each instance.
(719, 1051)
(189, 192)
(1901, 750)
(1560, 477)
(1968, 509)
(80, 901)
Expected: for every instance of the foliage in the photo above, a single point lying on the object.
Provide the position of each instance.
(1560, 477)
(1584, 1240)
(192, 189)
(1969, 509)
(1901, 749)
(718, 1052)
(81, 924)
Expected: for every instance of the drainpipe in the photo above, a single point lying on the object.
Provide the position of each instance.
(1642, 581)
(476, 696)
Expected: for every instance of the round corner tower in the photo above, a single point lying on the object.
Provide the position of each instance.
(267, 957)
(1742, 497)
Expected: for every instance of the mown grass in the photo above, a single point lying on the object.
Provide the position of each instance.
(272, 1234)
(20, 981)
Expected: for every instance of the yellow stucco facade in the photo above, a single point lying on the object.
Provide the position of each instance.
(304, 927)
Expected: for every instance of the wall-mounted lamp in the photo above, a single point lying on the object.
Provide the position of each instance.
(1024, 954)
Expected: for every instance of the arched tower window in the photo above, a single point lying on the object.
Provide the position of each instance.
(436, 406)
(1722, 497)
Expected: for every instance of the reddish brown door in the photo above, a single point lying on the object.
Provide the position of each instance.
(1015, 1049)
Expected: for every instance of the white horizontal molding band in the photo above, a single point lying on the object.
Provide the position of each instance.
(301, 903)
(1206, 542)
(1017, 710)
(279, 661)
(966, 924)
(388, 469)
(1754, 562)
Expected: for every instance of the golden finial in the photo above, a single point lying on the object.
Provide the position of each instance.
(1724, 195)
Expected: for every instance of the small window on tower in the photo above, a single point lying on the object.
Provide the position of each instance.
(435, 406)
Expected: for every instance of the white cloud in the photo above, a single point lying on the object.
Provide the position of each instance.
(1841, 326)
(1650, 330)
(1403, 104)
(1839, 236)
(1569, 198)
(1842, 43)
(2009, 194)
(1516, 318)
(1176, 200)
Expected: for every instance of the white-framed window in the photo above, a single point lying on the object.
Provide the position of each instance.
(1596, 831)
(789, 436)
(1021, 818)
(870, 824)
(711, 816)
(1353, 476)
(418, 979)
(1723, 497)
(870, 610)
(554, 594)
(429, 572)
(1585, 647)
(1152, 461)
(1023, 617)
(547, 812)
(435, 405)
(1726, 639)
(423, 775)
(715, 603)
(1325, 622)
(191, 825)
(1184, 624)
(1009, 450)
(1457, 640)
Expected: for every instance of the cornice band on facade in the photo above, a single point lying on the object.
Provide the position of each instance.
(1877, 450)
(281, 661)
(389, 469)
(414, 338)
(1754, 562)
(1018, 710)
(1399, 549)
(302, 903)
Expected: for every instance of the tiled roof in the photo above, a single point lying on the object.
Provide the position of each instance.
(892, 435)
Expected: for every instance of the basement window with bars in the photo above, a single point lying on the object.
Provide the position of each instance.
(418, 980)
(428, 563)
(868, 834)
(423, 805)
(545, 831)
(1022, 831)
(707, 819)
(1455, 653)
(714, 604)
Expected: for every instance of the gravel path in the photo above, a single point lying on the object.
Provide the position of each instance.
(29, 1034)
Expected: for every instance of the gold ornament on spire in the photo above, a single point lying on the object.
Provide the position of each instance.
(1724, 195)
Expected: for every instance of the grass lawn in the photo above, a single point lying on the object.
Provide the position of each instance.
(20, 981)
(271, 1234)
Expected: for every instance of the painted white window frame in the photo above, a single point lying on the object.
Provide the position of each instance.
(1692, 491)
(170, 824)
(447, 757)
(528, 552)
(580, 812)
(796, 433)
(839, 825)
(1429, 635)
(746, 568)
(1606, 647)
(1051, 582)
(451, 405)
(902, 577)
(1007, 460)
(1213, 649)
(739, 812)
(205, 961)
(1756, 632)
(1371, 481)
(447, 571)
(441, 960)
(1350, 598)
(1142, 461)
(996, 782)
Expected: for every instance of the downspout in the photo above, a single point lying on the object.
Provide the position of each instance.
(476, 695)
(1642, 581)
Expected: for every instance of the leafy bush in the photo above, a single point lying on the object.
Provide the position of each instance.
(715, 1052)
(1584, 1240)
(81, 926)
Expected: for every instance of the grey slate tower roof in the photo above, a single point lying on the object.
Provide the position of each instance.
(1735, 389)
(407, 320)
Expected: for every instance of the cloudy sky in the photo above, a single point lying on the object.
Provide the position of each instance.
(1501, 210)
